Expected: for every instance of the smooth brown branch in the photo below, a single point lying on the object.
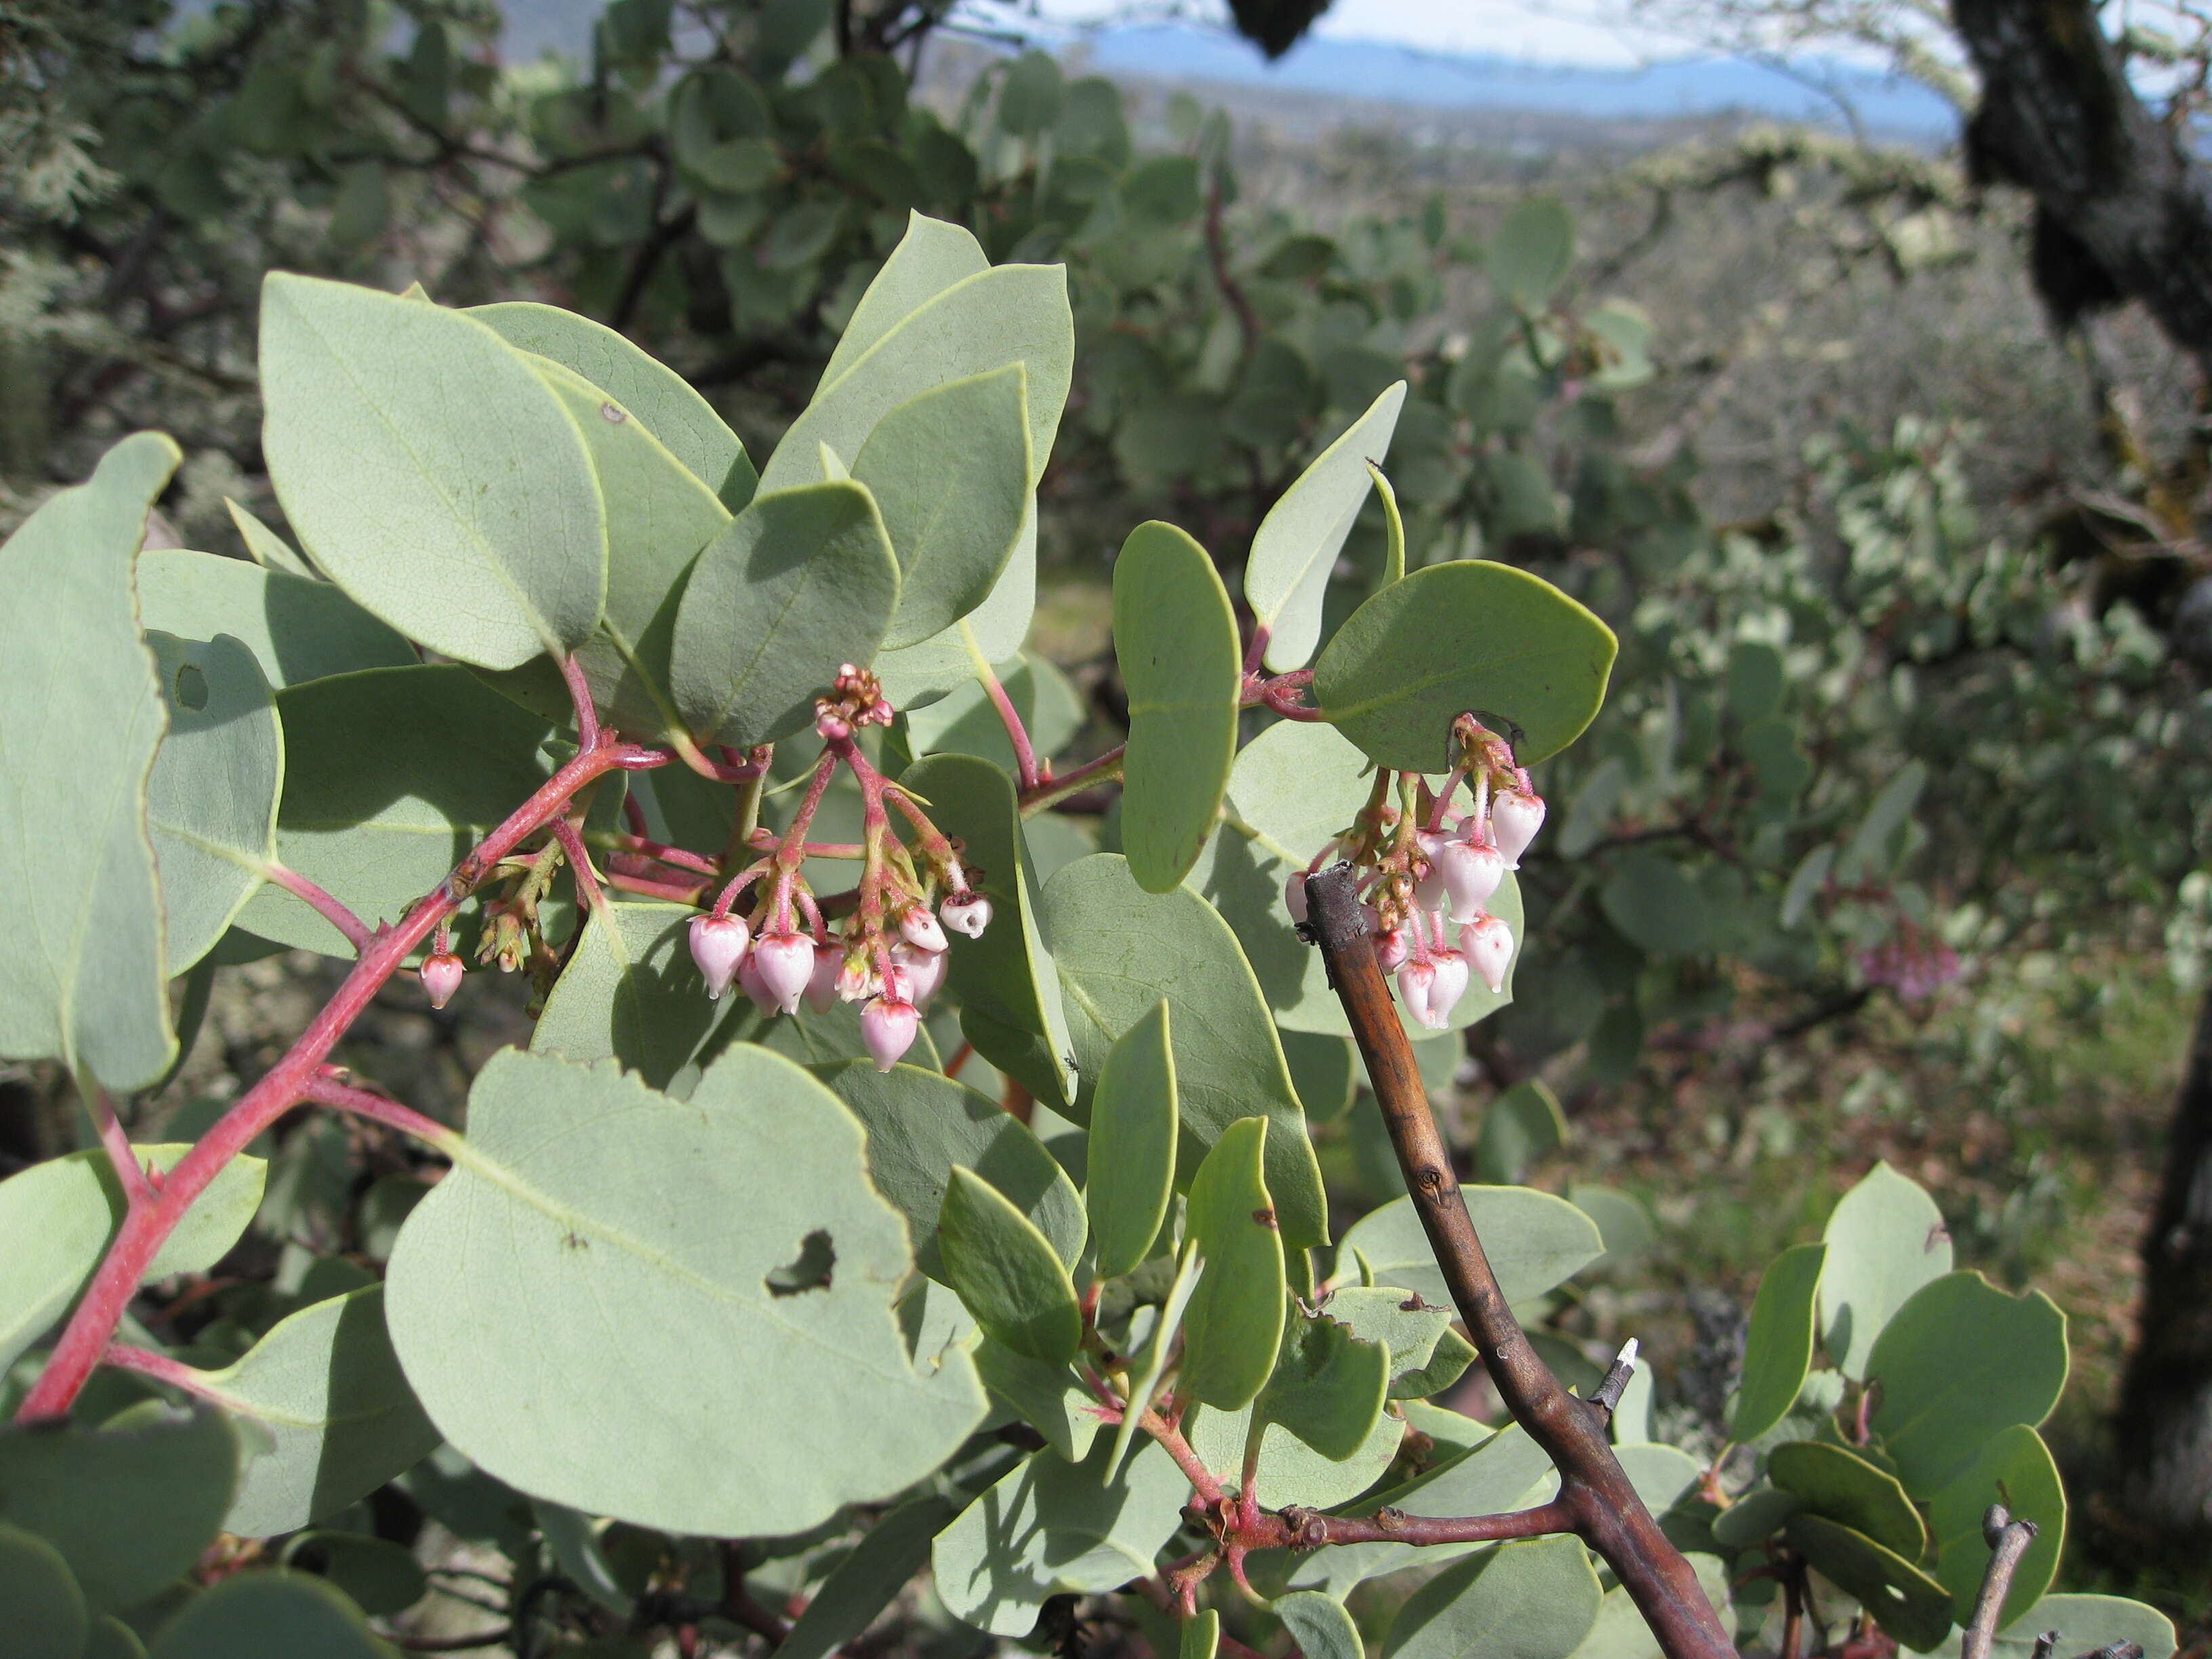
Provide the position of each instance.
(2008, 1540)
(1296, 1528)
(1594, 1490)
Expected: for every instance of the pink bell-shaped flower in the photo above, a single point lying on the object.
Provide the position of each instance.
(441, 976)
(887, 1026)
(1445, 990)
(966, 913)
(917, 976)
(1430, 893)
(717, 945)
(1515, 819)
(822, 983)
(1294, 897)
(751, 982)
(1390, 948)
(1416, 981)
(1488, 944)
(919, 929)
(787, 963)
(1471, 875)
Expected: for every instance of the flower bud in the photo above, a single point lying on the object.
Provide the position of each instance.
(1294, 897)
(787, 963)
(1446, 988)
(857, 980)
(751, 982)
(1515, 819)
(887, 1026)
(822, 983)
(717, 945)
(917, 976)
(441, 978)
(919, 928)
(1471, 875)
(1390, 948)
(1416, 981)
(966, 913)
(1488, 944)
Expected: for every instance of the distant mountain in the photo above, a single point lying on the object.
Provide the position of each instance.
(1382, 72)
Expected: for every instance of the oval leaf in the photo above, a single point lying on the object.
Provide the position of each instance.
(2014, 1468)
(82, 979)
(1886, 1239)
(211, 800)
(1006, 1272)
(1175, 635)
(801, 581)
(1778, 1354)
(1466, 636)
(326, 1415)
(46, 1614)
(950, 473)
(2085, 1623)
(1234, 1323)
(254, 1615)
(1296, 547)
(298, 629)
(1535, 1242)
(1838, 1483)
(757, 1265)
(1905, 1600)
(1131, 1155)
(429, 472)
(1960, 1362)
(1533, 1600)
(1327, 1386)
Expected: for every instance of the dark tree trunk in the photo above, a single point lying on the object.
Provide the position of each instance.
(2165, 1491)
(2124, 209)
(2123, 212)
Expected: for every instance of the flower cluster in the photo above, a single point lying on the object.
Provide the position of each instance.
(1430, 870)
(889, 955)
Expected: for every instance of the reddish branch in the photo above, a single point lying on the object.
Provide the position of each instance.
(1595, 1500)
(296, 1078)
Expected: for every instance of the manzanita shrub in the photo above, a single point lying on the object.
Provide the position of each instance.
(733, 1309)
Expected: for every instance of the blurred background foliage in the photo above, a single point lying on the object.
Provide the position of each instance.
(1890, 839)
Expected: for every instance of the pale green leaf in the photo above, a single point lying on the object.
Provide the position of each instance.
(1905, 1600)
(1327, 1386)
(82, 979)
(379, 1577)
(46, 1611)
(1958, 1362)
(1297, 545)
(1320, 1625)
(430, 472)
(966, 722)
(55, 1218)
(1234, 1323)
(1006, 1271)
(1010, 314)
(1175, 637)
(1520, 1126)
(1836, 1482)
(211, 799)
(802, 580)
(922, 1126)
(650, 390)
(270, 1616)
(1535, 1242)
(324, 1416)
(930, 256)
(1050, 1527)
(867, 1580)
(1529, 253)
(994, 631)
(1465, 636)
(1400, 1319)
(1536, 1599)
(1051, 1399)
(1886, 1239)
(297, 627)
(130, 1506)
(615, 1298)
(1289, 1471)
(1201, 1635)
(1132, 1157)
(2013, 1467)
(950, 473)
(1118, 950)
(1778, 1352)
(1621, 1631)
(631, 992)
(268, 550)
(2085, 1623)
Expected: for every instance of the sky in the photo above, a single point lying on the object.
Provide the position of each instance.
(1577, 32)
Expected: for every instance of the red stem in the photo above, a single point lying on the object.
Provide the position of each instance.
(357, 933)
(579, 866)
(672, 892)
(1025, 761)
(137, 1189)
(146, 1226)
(1048, 790)
(579, 695)
(159, 1366)
(327, 1090)
(682, 858)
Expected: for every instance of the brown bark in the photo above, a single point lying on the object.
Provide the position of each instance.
(2165, 1490)
(2125, 210)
